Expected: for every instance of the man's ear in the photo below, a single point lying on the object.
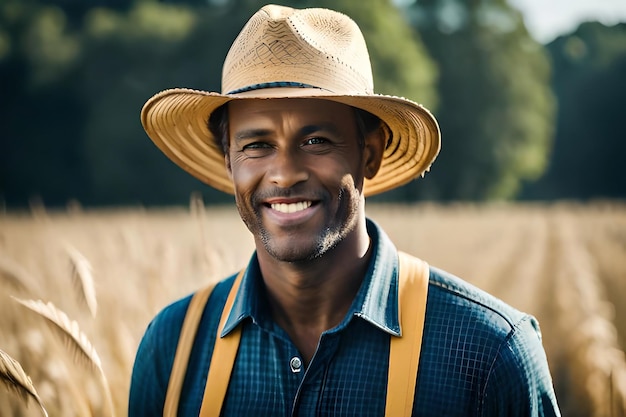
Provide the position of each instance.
(374, 148)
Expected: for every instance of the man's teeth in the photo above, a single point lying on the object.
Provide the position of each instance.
(292, 207)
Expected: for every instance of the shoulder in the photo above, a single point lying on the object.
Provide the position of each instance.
(479, 344)
(464, 330)
(482, 321)
(447, 291)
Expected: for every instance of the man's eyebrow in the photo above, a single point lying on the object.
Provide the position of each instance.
(321, 127)
(305, 130)
(251, 133)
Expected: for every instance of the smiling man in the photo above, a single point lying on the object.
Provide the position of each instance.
(328, 318)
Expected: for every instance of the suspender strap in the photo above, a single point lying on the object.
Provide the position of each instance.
(403, 355)
(222, 361)
(404, 351)
(183, 350)
(185, 343)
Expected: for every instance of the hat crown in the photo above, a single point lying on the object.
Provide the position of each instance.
(311, 47)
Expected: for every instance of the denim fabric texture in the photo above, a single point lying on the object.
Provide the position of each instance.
(480, 356)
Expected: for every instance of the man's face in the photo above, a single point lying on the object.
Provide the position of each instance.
(298, 170)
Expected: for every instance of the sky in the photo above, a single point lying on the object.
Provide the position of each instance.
(547, 19)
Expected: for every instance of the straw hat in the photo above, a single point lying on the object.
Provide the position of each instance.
(281, 53)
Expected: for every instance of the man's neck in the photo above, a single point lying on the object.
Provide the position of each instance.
(309, 298)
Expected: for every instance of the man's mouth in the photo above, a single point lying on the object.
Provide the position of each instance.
(291, 207)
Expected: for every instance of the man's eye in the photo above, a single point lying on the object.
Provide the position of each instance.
(257, 150)
(315, 141)
(317, 145)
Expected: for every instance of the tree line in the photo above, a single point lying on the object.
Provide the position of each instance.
(520, 120)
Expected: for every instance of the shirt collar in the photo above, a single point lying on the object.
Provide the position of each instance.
(376, 302)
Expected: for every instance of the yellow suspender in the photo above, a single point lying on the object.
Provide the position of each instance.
(222, 361)
(183, 350)
(219, 377)
(404, 351)
(403, 356)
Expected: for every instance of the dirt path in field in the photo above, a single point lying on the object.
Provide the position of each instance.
(589, 357)
(544, 268)
(517, 276)
(605, 239)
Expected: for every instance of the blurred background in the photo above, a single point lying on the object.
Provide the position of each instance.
(530, 94)
(531, 99)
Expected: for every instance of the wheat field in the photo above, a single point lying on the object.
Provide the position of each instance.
(102, 275)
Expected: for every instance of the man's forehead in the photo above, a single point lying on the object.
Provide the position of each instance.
(301, 114)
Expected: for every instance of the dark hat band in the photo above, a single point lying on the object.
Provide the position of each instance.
(273, 84)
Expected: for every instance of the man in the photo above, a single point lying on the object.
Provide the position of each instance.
(328, 319)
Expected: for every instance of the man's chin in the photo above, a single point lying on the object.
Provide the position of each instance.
(292, 255)
(295, 252)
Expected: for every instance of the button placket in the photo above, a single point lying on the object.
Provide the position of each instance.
(312, 389)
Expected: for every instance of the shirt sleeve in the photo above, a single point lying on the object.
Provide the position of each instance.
(519, 382)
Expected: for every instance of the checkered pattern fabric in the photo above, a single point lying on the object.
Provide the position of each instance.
(480, 357)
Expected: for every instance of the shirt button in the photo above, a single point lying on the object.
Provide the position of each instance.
(295, 364)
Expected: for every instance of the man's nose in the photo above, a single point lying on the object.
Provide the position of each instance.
(287, 168)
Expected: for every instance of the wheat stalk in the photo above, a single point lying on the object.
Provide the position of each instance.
(77, 341)
(210, 257)
(198, 212)
(16, 380)
(83, 279)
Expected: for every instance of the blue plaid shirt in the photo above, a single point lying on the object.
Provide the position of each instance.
(480, 357)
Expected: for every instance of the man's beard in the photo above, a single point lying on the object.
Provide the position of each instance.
(326, 241)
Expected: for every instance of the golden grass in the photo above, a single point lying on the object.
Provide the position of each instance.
(15, 379)
(77, 343)
(83, 279)
(563, 263)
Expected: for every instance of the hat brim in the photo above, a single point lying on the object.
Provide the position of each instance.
(177, 122)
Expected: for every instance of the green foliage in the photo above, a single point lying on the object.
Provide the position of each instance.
(589, 68)
(38, 113)
(496, 108)
(75, 75)
(39, 37)
(87, 142)
(90, 69)
(146, 20)
(128, 57)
